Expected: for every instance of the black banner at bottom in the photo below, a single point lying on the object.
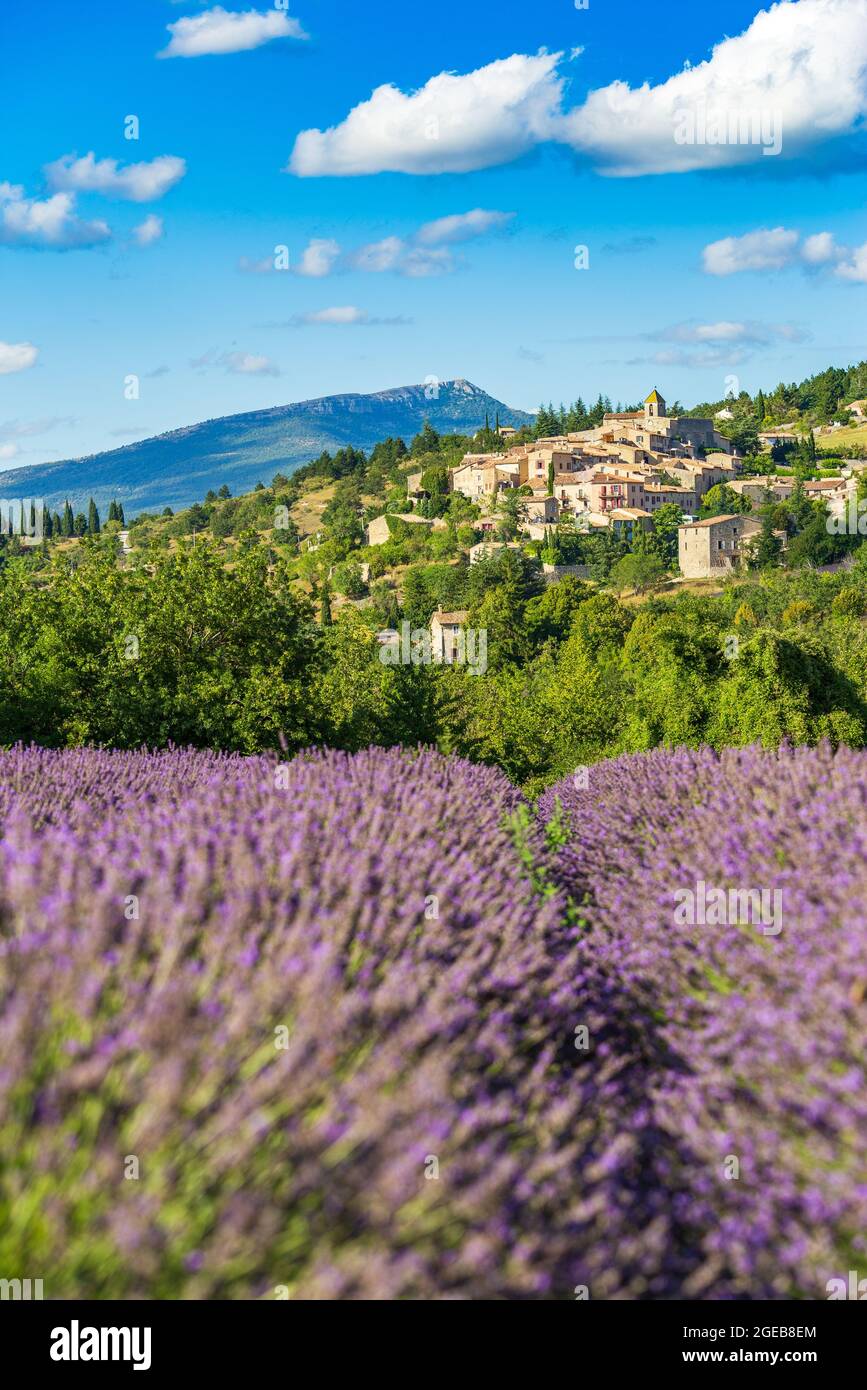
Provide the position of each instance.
(67, 1339)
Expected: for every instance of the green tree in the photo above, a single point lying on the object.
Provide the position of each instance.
(721, 500)
(637, 572)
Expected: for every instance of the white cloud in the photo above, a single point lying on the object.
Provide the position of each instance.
(46, 223)
(148, 231)
(762, 250)
(343, 315)
(781, 248)
(799, 67)
(379, 256)
(16, 357)
(420, 262)
(228, 31)
(8, 451)
(793, 80)
(820, 249)
(138, 183)
(417, 256)
(453, 124)
(854, 267)
(462, 226)
(238, 363)
(724, 331)
(318, 257)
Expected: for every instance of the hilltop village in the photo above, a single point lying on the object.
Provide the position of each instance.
(614, 478)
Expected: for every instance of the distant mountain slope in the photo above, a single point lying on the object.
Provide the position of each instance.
(176, 469)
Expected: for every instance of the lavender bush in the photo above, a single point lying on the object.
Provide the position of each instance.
(317, 1009)
(361, 1026)
(746, 1036)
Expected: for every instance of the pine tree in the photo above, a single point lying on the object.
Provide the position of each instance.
(79, 524)
(68, 524)
(92, 519)
(761, 408)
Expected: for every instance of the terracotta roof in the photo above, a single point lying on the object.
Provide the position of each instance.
(459, 616)
(715, 520)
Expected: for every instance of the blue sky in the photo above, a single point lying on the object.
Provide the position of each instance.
(431, 231)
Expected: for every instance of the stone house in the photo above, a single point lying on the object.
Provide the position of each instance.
(445, 634)
(378, 530)
(709, 549)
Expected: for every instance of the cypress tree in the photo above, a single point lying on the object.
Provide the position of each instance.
(92, 519)
(56, 524)
(120, 514)
(112, 510)
(68, 523)
(46, 524)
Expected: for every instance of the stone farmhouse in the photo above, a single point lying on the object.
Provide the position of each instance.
(378, 530)
(710, 549)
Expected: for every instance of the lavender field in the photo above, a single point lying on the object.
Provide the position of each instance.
(371, 1026)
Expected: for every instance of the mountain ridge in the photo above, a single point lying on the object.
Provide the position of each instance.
(179, 466)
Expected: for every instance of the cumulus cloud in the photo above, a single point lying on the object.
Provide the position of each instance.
(766, 249)
(820, 249)
(423, 253)
(226, 31)
(782, 248)
(462, 226)
(318, 257)
(853, 265)
(796, 76)
(137, 183)
(453, 124)
(395, 254)
(149, 231)
(238, 363)
(793, 80)
(46, 223)
(16, 357)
